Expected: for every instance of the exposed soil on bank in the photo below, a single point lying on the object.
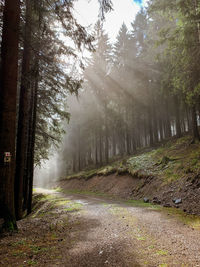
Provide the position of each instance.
(152, 188)
(168, 175)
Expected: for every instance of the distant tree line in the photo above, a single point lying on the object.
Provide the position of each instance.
(35, 81)
(140, 91)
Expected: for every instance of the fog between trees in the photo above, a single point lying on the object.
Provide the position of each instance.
(134, 93)
(35, 81)
(139, 91)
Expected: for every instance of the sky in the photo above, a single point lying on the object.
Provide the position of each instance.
(124, 11)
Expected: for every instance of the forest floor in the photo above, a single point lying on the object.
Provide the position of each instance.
(94, 231)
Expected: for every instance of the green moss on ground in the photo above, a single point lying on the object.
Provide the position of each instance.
(192, 221)
(140, 203)
(85, 192)
(171, 161)
(87, 174)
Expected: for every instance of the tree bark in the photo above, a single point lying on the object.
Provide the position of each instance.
(128, 143)
(8, 96)
(195, 130)
(96, 148)
(100, 146)
(114, 144)
(133, 131)
(168, 132)
(23, 119)
(188, 117)
(177, 117)
(32, 132)
(74, 163)
(106, 136)
(79, 147)
(150, 127)
(155, 121)
(33, 111)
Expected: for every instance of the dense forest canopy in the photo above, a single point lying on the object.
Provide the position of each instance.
(136, 92)
(34, 86)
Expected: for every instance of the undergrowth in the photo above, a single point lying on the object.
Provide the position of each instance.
(171, 161)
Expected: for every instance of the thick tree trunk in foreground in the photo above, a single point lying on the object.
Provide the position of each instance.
(8, 95)
(23, 119)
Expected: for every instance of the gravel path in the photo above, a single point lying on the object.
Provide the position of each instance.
(103, 232)
(115, 234)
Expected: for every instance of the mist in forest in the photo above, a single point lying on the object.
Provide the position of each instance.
(47, 173)
(52, 169)
(129, 99)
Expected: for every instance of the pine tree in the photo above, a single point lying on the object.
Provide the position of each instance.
(8, 96)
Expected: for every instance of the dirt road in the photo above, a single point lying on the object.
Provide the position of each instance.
(79, 230)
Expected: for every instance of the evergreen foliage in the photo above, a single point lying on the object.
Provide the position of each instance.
(146, 91)
(39, 30)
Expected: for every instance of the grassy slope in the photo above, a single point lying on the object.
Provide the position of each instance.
(176, 159)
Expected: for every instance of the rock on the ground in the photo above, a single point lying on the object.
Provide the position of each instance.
(156, 201)
(177, 201)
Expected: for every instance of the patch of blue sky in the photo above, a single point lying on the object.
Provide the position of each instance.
(139, 2)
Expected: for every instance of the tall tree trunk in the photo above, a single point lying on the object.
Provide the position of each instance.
(100, 146)
(26, 180)
(33, 108)
(8, 96)
(145, 132)
(177, 117)
(89, 158)
(160, 125)
(32, 132)
(79, 148)
(114, 144)
(23, 120)
(96, 148)
(74, 163)
(106, 136)
(128, 148)
(133, 146)
(150, 127)
(188, 117)
(138, 128)
(195, 130)
(155, 121)
(168, 131)
(127, 142)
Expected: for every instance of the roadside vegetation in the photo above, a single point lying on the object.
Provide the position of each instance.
(173, 160)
